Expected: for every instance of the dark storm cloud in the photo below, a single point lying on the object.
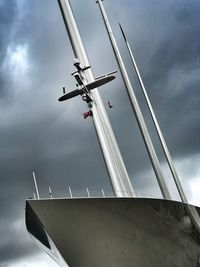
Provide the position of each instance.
(40, 134)
(7, 17)
(168, 54)
(173, 75)
(179, 48)
(8, 13)
(12, 251)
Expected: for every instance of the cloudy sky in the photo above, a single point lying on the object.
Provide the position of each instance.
(39, 133)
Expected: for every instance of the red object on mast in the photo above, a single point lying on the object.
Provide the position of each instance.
(87, 114)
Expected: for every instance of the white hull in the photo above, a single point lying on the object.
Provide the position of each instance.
(116, 232)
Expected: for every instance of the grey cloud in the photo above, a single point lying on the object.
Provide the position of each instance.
(8, 13)
(38, 133)
(15, 242)
(7, 17)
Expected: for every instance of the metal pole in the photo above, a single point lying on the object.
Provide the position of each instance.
(103, 194)
(192, 211)
(116, 169)
(135, 106)
(36, 187)
(70, 192)
(156, 124)
(50, 192)
(88, 192)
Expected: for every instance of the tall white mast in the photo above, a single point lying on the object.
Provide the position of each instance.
(135, 107)
(117, 171)
(194, 216)
(156, 124)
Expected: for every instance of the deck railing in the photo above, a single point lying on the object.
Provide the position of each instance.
(85, 193)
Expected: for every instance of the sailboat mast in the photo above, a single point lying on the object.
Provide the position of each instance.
(156, 124)
(135, 106)
(192, 212)
(116, 169)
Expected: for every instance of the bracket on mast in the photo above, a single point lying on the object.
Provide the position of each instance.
(83, 87)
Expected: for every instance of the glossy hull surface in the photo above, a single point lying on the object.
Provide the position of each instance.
(115, 232)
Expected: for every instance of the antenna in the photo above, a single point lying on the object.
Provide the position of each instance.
(36, 187)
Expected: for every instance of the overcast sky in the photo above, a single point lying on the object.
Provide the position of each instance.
(39, 133)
